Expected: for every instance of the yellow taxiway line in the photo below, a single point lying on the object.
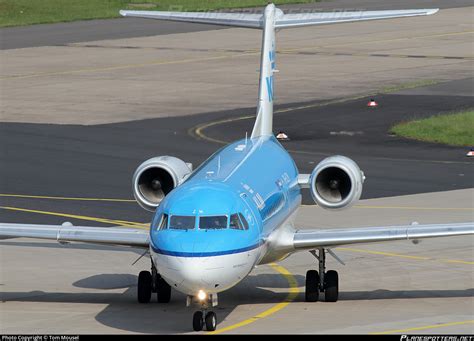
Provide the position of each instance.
(80, 217)
(408, 330)
(412, 208)
(62, 198)
(210, 58)
(121, 67)
(416, 208)
(198, 131)
(398, 255)
(294, 291)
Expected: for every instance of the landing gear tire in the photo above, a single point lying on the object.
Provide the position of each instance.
(211, 321)
(312, 286)
(144, 287)
(163, 290)
(198, 321)
(331, 288)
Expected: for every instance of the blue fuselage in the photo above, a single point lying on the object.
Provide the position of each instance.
(223, 215)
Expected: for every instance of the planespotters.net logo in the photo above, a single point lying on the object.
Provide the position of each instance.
(437, 338)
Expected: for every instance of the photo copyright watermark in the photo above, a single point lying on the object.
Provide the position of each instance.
(40, 338)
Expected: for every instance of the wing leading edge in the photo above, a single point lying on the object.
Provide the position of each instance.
(67, 233)
(311, 239)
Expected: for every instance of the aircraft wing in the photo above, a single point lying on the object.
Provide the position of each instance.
(68, 233)
(313, 239)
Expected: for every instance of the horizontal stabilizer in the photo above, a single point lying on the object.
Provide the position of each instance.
(321, 18)
(281, 20)
(215, 18)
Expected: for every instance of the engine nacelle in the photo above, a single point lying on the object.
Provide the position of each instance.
(156, 177)
(336, 182)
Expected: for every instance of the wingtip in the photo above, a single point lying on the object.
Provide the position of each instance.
(432, 11)
(123, 13)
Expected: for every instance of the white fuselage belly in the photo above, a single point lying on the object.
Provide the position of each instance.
(212, 274)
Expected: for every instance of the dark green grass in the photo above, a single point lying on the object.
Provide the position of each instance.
(456, 129)
(26, 12)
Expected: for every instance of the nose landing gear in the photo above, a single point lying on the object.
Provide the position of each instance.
(152, 282)
(211, 321)
(326, 282)
(204, 318)
(201, 319)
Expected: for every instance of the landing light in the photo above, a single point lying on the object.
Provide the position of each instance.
(201, 295)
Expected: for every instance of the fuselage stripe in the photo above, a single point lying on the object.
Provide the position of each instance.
(204, 254)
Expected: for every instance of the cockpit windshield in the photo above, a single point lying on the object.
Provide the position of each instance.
(218, 222)
(181, 222)
(213, 222)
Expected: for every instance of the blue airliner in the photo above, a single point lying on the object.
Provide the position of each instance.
(213, 225)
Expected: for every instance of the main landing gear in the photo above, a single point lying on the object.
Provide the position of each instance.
(322, 281)
(152, 282)
(204, 318)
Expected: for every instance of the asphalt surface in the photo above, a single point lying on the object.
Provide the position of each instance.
(91, 30)
(98, 161)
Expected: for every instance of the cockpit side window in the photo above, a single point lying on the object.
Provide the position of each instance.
(235, 222)
(181, 222)
(244, 221)
(213, 222)
(238, 222)
(163, 223)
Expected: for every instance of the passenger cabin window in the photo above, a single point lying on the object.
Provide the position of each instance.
(238, 222)
(181, 222)
(163, 223)
(213, 222)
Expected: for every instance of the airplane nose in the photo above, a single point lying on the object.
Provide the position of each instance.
(195, 266)
(191, 275)
(201, 274)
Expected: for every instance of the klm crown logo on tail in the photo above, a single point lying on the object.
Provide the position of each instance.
(269, 79)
